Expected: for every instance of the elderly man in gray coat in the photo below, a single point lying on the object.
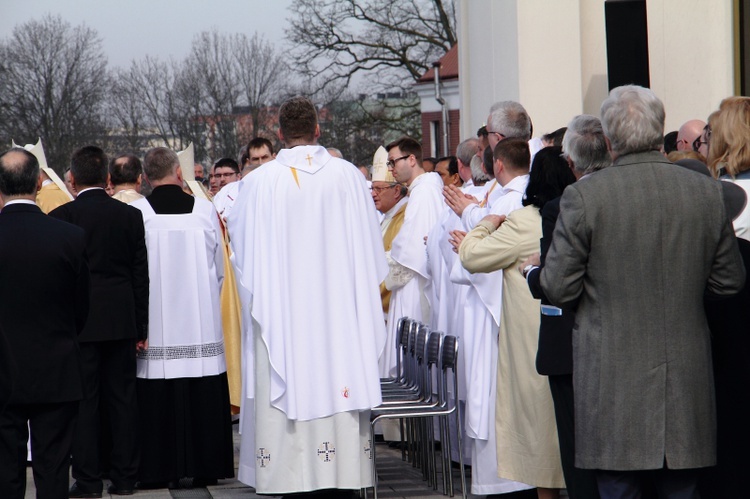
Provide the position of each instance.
(636, 246)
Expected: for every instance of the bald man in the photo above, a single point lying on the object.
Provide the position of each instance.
(687, 134)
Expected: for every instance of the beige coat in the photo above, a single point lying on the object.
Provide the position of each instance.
(527, 445)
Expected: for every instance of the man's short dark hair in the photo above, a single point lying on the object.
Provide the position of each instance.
(159, 163)
(19, 173)
(298, 120)
(514, 153)
(125, 172)
(452, 164)
(407, 145)
(89, 166)
(227, 163)
(259, 142)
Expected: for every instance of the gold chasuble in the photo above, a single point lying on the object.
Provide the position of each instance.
(390, 234)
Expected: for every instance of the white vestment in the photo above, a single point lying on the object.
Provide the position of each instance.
(309, 257)
(185, 337)
(225, 198)
(409, 257)
(473, 213)
(480, 340)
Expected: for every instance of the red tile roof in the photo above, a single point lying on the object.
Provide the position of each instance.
(448, 67)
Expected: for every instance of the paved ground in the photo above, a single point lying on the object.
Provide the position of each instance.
(397, 479)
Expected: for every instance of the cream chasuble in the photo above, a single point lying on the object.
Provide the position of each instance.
(309, 257)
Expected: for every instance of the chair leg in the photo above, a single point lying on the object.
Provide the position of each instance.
(445, 456)
(372, 464)
(403, 444)
(459, 431)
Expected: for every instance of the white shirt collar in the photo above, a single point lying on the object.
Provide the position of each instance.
(20, 201)
(89, 189)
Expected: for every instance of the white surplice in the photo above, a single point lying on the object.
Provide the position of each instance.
(409, 255)
(185, 337)
(309, 257)
(481, 326)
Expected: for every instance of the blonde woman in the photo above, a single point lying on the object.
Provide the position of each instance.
(728, 135)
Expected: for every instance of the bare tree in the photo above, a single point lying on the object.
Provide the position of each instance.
(127, 115)
(393, 42)
(357, 125)
(54, 79)
(210, 67)
(157, 103)
(262, 76)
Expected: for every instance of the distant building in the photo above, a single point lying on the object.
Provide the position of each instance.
(433, 127)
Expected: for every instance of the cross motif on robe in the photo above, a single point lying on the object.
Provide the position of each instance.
(262, 457)
(368, 449)
(326, 452)
(309, 160)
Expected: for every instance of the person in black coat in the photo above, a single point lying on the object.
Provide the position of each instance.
(117, 325)
(44, 300)
(586, 151)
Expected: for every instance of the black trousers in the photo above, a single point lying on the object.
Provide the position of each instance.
(51, 438)
(109, 369)
(580, 483)
(669, 484)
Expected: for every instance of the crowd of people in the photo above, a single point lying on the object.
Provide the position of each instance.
(595, 278)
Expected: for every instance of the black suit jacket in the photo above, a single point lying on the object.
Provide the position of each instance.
(555, 353)
(116, 248)
(44, 300)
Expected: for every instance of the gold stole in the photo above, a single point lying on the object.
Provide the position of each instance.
(232, 325)
(390, 234)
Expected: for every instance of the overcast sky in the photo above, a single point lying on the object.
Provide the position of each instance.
(132, 29)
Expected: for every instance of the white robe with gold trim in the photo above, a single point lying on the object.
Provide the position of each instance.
(309, 257)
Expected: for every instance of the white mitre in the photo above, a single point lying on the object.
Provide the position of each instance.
(380, 171)
(187, 165)
(38, 151)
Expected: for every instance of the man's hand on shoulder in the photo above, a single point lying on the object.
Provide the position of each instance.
(495, 220)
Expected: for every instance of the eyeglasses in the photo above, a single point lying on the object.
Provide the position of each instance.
(225, 175)
(697, 143)
(381, 189)
(392, 162)
(497, 133)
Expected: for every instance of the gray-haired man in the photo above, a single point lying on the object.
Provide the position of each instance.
(635, 248)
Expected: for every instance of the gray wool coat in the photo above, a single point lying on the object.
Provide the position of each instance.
(636, 246)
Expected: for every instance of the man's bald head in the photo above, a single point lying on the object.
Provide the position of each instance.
(19, 173)
(687, 134)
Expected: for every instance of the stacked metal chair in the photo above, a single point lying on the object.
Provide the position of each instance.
(413, 396)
